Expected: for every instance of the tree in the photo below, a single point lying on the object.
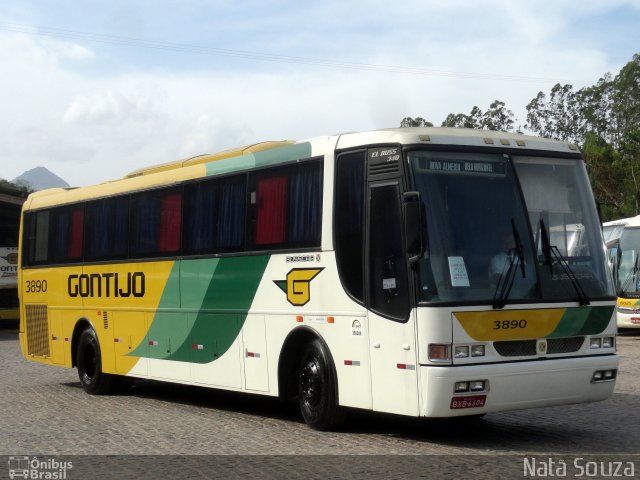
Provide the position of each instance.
(607, 176)
(12, 188)
(498, 117)
(558, 117)
(415, 122)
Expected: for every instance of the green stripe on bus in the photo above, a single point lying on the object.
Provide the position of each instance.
(221, 292)
(583, 321)
(274, 156)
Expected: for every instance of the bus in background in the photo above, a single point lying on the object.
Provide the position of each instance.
(612, 230)
(11, 200)
(418, 271)
(623, 253)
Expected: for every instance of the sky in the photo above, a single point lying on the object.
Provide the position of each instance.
(92, 90)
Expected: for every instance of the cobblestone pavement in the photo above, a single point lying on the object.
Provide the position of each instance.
(43, 411)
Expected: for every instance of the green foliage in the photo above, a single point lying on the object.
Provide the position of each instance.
(16, 189)
(497, 117)
(415, 122)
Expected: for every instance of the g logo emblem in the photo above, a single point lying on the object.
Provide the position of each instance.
(297, 285)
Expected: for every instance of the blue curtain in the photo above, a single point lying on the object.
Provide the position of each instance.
(305, 209)
(59, 234)
(146, 210)
(230, 222)
(107, 228)
(199, 217)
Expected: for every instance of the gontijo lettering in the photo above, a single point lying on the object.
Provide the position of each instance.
(106, 285)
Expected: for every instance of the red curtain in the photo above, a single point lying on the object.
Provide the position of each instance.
(170, 223)
(271, 199)
(75, 236)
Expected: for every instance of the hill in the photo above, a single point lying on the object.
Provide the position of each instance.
(40, 178)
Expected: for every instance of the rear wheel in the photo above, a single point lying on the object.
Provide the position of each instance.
(317, 389)
(89, 362)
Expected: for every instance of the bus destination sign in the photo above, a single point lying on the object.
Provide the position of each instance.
(465, 166)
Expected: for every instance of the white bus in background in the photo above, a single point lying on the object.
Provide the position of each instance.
(623, 247)
(612, 230)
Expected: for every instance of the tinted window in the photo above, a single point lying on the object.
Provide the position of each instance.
(287, 207)
(66, 234)
(36, 238)
(388, 287)
(349, 221)
(215, 216)
(107, 228)
(156, 223)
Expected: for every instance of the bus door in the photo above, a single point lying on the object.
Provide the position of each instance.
(394, 382)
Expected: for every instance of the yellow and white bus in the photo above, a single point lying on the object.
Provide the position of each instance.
(408, 271)
(623, 253)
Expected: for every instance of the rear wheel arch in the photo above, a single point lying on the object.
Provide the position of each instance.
(81, 325)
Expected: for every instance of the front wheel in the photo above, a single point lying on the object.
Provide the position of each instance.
(89, 361)
(317, 389)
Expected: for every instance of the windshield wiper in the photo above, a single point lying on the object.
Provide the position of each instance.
(548, 251)
(506, 280)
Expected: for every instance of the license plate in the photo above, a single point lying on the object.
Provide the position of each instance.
(472, 401)
(635, 320)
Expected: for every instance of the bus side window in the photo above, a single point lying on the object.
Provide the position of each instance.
(66, 234)
(156, 223)
(215, 216)
(349, 222)
(107, 228)
(286, 207)
(36, 240)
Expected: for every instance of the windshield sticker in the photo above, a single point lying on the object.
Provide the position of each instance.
(459, 277)
(388, 283)
(464, 166)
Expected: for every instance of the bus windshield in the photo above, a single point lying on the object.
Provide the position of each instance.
(484, 244)
(627, 281)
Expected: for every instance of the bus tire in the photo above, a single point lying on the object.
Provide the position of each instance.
(317, 389)
(89, 360)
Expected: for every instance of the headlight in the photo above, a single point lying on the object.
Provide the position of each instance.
(476, 386)
(595, 342)
(461, 387)
(461, 351)
(477, 350)
(608, 342)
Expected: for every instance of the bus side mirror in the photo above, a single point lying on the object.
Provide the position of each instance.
(412, 210)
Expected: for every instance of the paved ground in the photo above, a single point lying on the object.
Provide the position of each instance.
(44, 412)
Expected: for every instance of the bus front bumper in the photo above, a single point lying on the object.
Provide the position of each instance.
(515, 385)
(626, 319)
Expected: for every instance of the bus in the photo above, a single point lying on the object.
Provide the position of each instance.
(410, 271)
(612, 230)
(623, 254)
(11, 200)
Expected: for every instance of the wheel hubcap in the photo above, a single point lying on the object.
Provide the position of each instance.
(311, 384)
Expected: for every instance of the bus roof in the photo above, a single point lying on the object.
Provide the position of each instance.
(632, 222)
(274, 152)
(210, 157)
(455, 136)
